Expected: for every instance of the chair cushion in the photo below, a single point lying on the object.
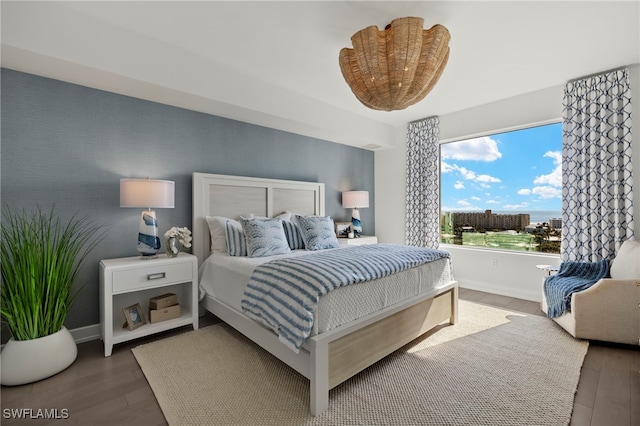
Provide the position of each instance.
(626, 265)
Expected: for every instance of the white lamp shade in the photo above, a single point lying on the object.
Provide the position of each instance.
(147, 193)
(355, 199)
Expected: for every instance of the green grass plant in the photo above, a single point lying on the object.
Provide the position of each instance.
(41, 256)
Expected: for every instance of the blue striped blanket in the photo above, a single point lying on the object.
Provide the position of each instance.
(571, 277)
(283, 293)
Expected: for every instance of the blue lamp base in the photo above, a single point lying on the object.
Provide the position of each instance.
(148, 240)
(355, 223)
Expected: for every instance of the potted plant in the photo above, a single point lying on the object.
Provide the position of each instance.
(40, 259)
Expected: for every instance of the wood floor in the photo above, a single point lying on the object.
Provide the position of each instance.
(113, 391)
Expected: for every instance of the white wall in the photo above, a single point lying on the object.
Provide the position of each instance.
(501, 272)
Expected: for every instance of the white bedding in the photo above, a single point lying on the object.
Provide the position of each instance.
(225, 277)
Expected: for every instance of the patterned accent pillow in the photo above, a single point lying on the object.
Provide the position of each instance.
(265, 237)
(293, 234)
(318, 232)
(236, 243)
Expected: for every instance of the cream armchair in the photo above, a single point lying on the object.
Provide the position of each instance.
(610, 309)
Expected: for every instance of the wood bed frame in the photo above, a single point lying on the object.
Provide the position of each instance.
(330, 358)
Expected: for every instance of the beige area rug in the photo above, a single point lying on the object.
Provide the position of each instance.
(495, 367)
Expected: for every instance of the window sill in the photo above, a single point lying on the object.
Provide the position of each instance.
(500, 251)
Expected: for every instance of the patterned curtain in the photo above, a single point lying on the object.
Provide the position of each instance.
(597, 214)
(423, 184)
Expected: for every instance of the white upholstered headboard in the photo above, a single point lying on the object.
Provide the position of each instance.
(232, 196)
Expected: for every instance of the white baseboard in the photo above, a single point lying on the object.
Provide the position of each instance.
(520, 293)
(82, 334)
(86, 334)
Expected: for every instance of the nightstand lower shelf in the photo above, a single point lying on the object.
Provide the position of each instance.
(124, 334)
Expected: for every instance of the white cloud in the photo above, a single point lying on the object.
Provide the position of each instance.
(468, 174)
(487, 178)
(445, 167)
(547, 192)
(515, 206)
(524, 191)
(458, 185)
(478, 149)
(556, 155)
(555, 177)
(492, 202)
(461, 205)
(474, 198)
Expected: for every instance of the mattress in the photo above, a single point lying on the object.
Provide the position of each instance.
(225, 277)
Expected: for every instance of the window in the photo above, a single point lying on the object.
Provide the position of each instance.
(504, 190)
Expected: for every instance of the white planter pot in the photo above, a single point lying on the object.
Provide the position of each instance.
(26, 361)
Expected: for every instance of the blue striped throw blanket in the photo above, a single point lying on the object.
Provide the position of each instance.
(571, 277)
(283, 293)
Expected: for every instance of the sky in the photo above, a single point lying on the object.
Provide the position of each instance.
(518, 171)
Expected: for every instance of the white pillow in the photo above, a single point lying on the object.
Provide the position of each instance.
(218, 232)
(626, 265)
(285, 216)
(252, 216)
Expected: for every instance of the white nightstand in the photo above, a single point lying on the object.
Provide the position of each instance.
(130, 280)
(360, 241)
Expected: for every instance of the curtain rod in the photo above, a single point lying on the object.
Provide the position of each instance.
(422, 119)
(622, 68)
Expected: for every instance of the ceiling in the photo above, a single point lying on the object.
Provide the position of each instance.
(276, 63)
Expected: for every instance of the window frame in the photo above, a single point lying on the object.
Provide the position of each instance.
(480, 135)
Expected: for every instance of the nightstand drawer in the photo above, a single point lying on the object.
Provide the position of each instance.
(159, 275)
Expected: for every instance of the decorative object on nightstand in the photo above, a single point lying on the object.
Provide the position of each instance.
(343, 229)
(147, 193)
(355, 200)
(134, 316)
(130, 281)
(176, 239)
(163, 308)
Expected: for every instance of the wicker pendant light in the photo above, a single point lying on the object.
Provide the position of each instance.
(392, 69)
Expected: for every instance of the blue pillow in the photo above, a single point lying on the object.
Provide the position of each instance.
(318, 232)
(236, 243)
(265, 237)
(294, 237)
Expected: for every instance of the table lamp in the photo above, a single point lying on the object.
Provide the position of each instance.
(355, 200)
(147, 193)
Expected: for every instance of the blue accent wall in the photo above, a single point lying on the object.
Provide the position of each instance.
(70, 145)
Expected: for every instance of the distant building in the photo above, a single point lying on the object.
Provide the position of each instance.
(489, 220)
(555, 223)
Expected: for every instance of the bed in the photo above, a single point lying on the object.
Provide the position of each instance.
(332, 353)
